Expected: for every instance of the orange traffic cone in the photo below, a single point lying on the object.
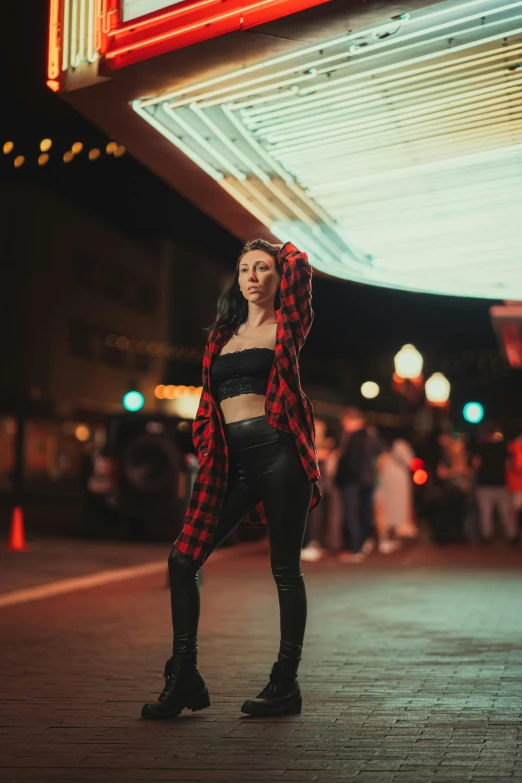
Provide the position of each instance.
(16, 541)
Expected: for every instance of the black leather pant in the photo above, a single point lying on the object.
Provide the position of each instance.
(263, 465)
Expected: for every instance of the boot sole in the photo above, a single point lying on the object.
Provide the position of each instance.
(199, 702)
(292, 708)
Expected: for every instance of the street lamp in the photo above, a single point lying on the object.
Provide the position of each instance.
(437, 389)
(408, 362)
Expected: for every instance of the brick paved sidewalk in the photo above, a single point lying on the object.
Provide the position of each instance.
(412, 672)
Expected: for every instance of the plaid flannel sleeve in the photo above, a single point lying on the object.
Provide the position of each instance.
(296, 291)
(201, 425)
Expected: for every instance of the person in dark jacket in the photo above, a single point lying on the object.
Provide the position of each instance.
(355, 478)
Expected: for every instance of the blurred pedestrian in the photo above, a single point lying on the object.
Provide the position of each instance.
(454, 476)
(322, 518)
(490, 461)
(514, 477)
(355, 477)
(393, 499)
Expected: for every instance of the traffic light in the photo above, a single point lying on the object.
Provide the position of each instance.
(133, 400)
(473, 412)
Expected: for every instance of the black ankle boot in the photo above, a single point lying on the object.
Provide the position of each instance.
(282, 695)
(184, 688)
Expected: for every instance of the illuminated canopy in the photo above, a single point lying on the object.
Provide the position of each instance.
(392, 154)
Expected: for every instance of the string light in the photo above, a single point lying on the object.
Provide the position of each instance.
(77, 147)
(45, 145)
(43, 159)
(8, 147)
(19, 161)
(119, 151)
(111, 148)
(68, 156)
(94, 154)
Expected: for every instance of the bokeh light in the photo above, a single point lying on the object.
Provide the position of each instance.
(19, 161)
(420, 477)
(68, 156)
(45, 145)
(119, 151)
(133, 401)
(8, 147)
(437, 389)
(82, 432)
(111, 148)
(473, 412)
(408, 362)
(94, 154)
(370, 390)
(77, 147)
(43, 159)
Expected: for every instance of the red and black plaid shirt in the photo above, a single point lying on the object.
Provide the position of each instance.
(286, 405)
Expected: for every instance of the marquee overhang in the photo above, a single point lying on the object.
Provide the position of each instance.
(391, 151)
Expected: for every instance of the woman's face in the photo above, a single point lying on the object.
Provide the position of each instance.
(258, 277)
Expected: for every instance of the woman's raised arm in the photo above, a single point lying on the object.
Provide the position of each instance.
(296, 290)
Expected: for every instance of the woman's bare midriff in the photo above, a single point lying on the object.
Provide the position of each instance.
(244, 406)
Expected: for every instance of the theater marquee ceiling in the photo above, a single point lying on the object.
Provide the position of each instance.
(391, 150)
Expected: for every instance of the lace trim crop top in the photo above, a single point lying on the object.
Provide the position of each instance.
(242, 372)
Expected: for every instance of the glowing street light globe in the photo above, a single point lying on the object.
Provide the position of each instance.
(370, 390)
(473, 412)
(408, 362)
(437, 389)
(133, 401)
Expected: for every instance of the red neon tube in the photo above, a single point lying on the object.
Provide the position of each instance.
(152, 20)
(188, 28)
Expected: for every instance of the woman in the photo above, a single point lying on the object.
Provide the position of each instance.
(254, 434)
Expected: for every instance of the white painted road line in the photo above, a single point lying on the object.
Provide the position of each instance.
(115, 575)
(81, 583)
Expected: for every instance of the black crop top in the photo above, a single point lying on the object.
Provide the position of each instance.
(242, 372)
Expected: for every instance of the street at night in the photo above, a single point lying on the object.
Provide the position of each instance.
(261, 391)
(412, 672)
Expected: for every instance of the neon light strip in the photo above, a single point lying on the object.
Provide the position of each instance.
(91, 54)
(74, 32)
(287, 107)
(428, 125)
(416, 142)
(321, 63)
(53, 55)
(262, 175)
(301, 53)
(381, 154)
(246, 203)
(81, 50)
(405, 114)
(199, 161)
(253, 188)
(244, 93)
(366, 103)
(132, 26)
(187, 29)
(422, 58)
(202, 142)
(256, 170)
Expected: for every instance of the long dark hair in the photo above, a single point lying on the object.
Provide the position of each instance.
(232, 307)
